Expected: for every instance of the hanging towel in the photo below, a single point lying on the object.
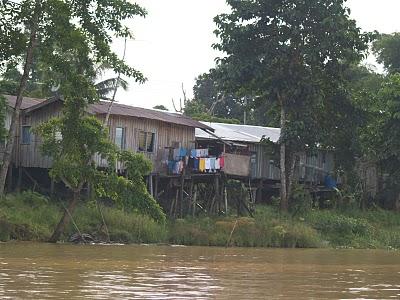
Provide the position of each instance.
(176, 167)
(193, 153)
(202, 165)
(212, 163)
(217, 165)
(171, 164)
(176, 154)
(208, 164)
(182, 152)
(205, 152)
(222, 162)
(196, 164)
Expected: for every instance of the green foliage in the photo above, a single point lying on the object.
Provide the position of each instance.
(27, 216)
(301, 200)
(3, 112)
(31, 216)
(380, 138)
(290, 53)
(387, 51)
(123, 226)
(208, 118)
(267, 229)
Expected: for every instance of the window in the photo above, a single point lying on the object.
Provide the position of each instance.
(26, 134)
(120, 137)
(146, 141)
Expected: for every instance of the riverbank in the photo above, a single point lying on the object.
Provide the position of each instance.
(30, 216)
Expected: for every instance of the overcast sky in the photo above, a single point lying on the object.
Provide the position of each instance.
(173, 43)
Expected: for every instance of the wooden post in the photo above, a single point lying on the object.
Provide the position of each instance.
(182, 185)
(217, 193)
(226, 201)
(52, 187)
(156, 187)
(19, 182)
(174, 201)
(190, 196)
(10, 178)
(194, 200)
(259, 192)
(151, 185)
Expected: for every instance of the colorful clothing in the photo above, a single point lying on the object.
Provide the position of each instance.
(202, 165)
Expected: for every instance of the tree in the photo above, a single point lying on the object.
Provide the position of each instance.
(290, 52)
(381, 137)
(62, 35)
(213, 101)
(387, 51)
(72, 141)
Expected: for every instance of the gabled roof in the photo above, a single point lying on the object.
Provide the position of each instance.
(239, 133)
(26, 101)
(32, 104)
(144, 113)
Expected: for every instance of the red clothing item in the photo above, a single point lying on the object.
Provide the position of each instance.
(221, 162)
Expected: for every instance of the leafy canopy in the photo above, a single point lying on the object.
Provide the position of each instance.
(289, 52)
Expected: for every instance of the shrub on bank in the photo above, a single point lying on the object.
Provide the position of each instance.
(267, 229)
(30, 216)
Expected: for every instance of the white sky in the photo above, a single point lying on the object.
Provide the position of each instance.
(173, 44)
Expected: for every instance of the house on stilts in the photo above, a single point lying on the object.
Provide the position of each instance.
(192, 161)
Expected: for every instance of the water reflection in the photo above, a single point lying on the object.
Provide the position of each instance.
(40, 271)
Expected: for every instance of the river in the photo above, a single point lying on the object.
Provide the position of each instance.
(44, 271)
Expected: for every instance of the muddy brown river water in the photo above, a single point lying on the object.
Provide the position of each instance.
(46, 271)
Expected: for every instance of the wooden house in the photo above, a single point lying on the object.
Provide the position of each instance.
(248, 156)
(138, 129)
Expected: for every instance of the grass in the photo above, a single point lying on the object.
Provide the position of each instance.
(30, 216)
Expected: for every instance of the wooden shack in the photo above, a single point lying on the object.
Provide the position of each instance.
(243, 145)
(137, 129)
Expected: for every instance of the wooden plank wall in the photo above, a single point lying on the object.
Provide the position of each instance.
(30, 155)
(238, 165)
(312, 168)
(166, 135)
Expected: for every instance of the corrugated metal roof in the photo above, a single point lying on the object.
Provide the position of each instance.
(26, 101)
(101, 108)
(240, 133)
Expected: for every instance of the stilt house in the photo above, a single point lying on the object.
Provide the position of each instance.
(141, 130)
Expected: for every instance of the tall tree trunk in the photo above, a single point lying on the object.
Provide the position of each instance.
(107, 117)
(15, 120)
(66, 218)
(292, 161)
(283, 192)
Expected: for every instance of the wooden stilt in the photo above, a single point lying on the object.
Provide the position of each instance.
(226, 201)
(52, 187)
(151, 185)
(194, 200)
(172, 208)
(259, 192)
(217, 194)
(156, 179)
(19, 181)
(190, 197)
(88, 191)
(10, 178)
(182, 185)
